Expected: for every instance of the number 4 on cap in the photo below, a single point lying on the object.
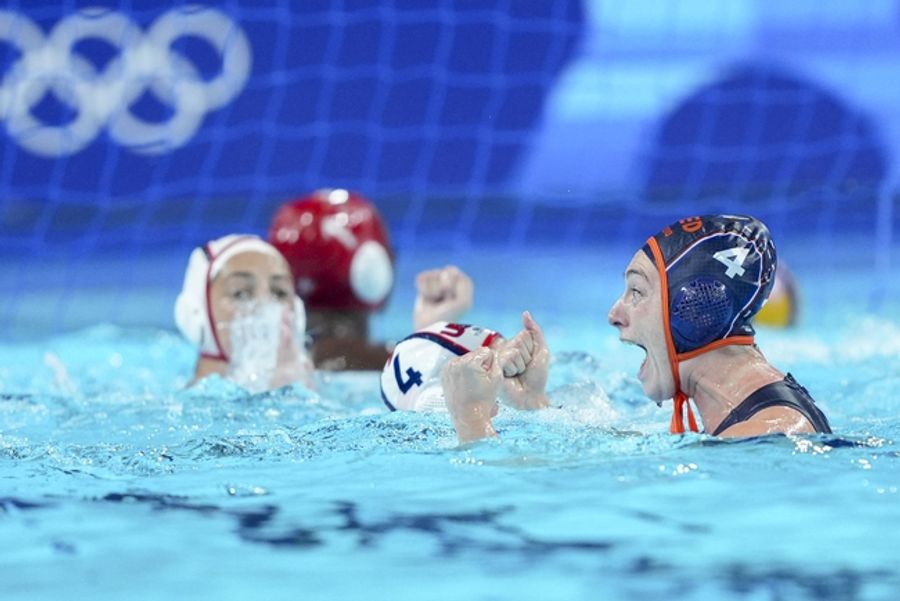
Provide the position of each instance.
(415, 376)
(733, 259)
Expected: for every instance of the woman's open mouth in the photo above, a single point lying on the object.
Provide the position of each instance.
(643, 367)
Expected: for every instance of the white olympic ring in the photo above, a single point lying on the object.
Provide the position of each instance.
(145, 62)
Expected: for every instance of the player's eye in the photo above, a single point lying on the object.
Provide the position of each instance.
(244, 293)
(280, 294)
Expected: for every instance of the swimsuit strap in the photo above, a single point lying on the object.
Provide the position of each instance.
(785, 393)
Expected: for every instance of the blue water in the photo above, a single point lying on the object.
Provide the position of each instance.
(117, 483)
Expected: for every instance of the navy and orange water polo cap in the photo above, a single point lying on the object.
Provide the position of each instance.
(716, 272)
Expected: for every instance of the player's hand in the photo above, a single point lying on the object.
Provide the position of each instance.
(471, 383)
(525, 363)
(443, 294)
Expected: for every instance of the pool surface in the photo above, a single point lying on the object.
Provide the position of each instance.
(116, 483)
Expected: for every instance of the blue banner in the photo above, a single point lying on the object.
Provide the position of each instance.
(263, 99)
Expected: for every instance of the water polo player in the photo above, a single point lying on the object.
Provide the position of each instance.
(238, 306)
(690, 294)
(463, 369)
(339, 251)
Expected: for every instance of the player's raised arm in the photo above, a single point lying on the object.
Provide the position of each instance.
(471, 383)
(443, 294)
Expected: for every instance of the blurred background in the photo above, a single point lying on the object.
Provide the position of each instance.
(512, 137)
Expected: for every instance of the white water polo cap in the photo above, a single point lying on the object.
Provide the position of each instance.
(193, 307)
(411, 379)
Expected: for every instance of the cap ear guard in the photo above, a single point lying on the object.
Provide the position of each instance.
(701, 312)
(190, 312)
(371, 273)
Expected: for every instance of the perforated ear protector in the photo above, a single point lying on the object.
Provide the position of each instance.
(190, 306)
(700, 312)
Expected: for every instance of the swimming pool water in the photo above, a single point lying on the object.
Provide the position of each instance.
(117, 483)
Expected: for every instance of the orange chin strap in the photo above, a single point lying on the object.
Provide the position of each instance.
(677, 425)
(681, 399)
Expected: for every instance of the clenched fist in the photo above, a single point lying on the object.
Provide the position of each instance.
(443, 294)
(525, 363)
(471, 383)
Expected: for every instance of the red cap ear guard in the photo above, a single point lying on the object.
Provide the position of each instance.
(338, 249)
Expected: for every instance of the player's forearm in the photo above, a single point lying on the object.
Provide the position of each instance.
(473, 424)
(472, 420)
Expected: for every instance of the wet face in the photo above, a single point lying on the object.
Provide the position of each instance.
(637, 314)
(247, 281)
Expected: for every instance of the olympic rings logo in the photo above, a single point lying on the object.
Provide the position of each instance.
(144, 62)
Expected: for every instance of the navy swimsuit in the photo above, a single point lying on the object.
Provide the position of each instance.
(786, 393)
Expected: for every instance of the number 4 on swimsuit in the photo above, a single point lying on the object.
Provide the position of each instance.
(733, 259)
(415, 377)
